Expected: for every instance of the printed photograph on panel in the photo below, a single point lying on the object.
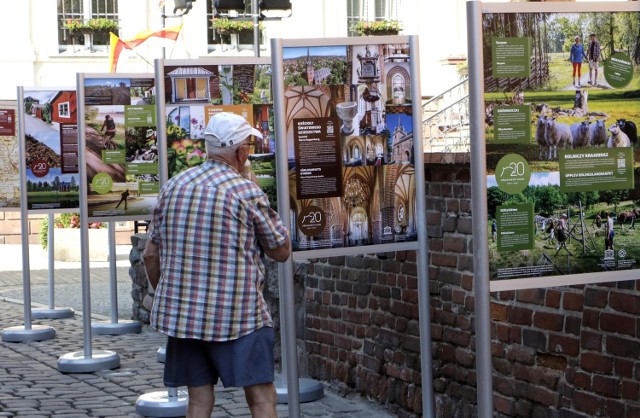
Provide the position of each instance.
(562, 102)
(107, 91)
(9, 157)
(350, 143)
(51, 135)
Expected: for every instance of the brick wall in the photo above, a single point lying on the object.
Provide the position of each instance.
(558, 352)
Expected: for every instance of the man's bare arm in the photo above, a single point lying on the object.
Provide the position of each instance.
(151, 259)
(280, 253)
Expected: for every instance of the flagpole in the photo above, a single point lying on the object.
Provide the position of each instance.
(163, 19)
(145, 60)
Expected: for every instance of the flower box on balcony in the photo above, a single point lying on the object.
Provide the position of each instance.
(377, 28)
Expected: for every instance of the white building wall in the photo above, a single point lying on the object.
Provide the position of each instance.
(31, 56)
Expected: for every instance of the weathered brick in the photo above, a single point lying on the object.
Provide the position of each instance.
(586, 402)
(402, 309)
(630, 390)
(501, 332)
(543, 396)
(534, 339)
(552, 298)
(498, 312)
(591, 318)
(606, 385)
(572, 325)
(503, 405)
(444, 260)
(582, 380)
(595, 297)
(550, 361)
(620, 324)
(521, 354)
(531, 296)
(456, 337)
(564, 344)
(519, 315)
(535, 375)
(515, 334)
(616, 408)
(548, 320)
(591, 340)
(623, 367)
(573, 301)
(595, 362)
(625, 303)
(504, 386)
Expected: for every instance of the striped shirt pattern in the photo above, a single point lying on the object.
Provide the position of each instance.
(209, 223)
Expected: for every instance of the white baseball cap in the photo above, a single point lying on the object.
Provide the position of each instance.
(226, 129)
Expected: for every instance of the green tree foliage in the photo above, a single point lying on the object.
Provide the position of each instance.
(495, 198)
(614, 197)
(549, 198)
(586, 199)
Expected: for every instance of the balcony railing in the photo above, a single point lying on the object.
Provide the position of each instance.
(446, 120)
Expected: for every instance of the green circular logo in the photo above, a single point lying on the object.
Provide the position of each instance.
(102, 183)
(618, 70)
(513, 173)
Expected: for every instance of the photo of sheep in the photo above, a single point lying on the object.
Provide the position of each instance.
(563, 164)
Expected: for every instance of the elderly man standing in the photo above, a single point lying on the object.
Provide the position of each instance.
(203, 257)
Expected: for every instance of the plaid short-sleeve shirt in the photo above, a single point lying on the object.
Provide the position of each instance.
(209, 223)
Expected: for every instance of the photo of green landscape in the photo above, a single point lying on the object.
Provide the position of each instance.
(566, 114)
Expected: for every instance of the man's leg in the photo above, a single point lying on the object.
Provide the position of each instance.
(201, 400)
(262, 400)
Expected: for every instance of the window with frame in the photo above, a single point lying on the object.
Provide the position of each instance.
(63, 110)
(370, 10)
(84, 10)
(214, 38)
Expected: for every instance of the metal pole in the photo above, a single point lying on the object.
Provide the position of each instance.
(84, 221)
(24, 220)
(285, 270)
(479, 210)
(51, 261)
(424, 324)
(113, 272)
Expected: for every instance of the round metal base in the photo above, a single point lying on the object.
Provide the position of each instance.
(161, 355)
(55, 313)
(20, 334)
(76, 362)
(309, 390)
(116, 328)
(167, 403)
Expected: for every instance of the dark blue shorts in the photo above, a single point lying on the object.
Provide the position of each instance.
(246, 361)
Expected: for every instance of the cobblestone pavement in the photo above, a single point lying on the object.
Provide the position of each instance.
(31, 385)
